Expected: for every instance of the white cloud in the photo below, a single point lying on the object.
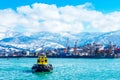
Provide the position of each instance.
(43, 17)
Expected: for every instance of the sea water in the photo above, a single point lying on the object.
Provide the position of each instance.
(63, 69)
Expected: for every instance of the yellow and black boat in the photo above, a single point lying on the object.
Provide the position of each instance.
(42, 65)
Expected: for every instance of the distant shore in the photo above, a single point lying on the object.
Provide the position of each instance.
(75, 56)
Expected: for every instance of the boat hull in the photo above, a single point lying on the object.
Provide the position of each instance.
(42, 68)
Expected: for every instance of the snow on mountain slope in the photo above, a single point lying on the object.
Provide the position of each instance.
(114, 37)
(55, 40)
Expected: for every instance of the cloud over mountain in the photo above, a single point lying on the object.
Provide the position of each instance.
(43, 17)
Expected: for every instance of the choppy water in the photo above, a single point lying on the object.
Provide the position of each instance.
(64, 69)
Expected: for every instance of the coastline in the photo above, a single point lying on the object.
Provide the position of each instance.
(99, 57)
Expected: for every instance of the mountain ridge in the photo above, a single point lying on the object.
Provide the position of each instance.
(56, 40)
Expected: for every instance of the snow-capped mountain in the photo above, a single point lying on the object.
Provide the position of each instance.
(114, 37)
(49, 40)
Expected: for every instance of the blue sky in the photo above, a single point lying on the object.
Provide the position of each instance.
(74, 16)
(101, 5)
